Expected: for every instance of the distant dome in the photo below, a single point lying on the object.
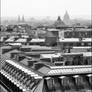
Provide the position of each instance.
(59, 23)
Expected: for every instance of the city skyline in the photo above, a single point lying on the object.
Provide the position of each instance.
(46, 8)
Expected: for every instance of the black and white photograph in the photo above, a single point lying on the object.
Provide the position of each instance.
(45, 46)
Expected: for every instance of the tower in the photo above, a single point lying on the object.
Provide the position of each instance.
(66, 19)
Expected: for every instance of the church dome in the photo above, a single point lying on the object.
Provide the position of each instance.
(59, 23)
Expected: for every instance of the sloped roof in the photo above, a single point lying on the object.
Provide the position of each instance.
(44, 70)
(10, 40)
(24, 61)
(21, 40)
(15, 44)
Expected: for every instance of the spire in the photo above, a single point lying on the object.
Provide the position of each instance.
(58, 19)
(66, 18)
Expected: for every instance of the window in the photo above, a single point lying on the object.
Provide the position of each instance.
(89, 44)
(50, 84)
(82, 44)
(53, 85)
(59, 63)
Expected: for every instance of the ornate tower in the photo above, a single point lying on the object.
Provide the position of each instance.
(66, 19)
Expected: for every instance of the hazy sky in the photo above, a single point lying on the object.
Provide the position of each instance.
(32, 8)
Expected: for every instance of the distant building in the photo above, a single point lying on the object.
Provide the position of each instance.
(59, 23)
(66, 19)
(21, 20)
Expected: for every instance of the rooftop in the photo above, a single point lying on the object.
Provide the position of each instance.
(37, 40)
(21, 40)
(75, 40)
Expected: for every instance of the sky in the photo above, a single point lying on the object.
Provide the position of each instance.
(44, 8)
